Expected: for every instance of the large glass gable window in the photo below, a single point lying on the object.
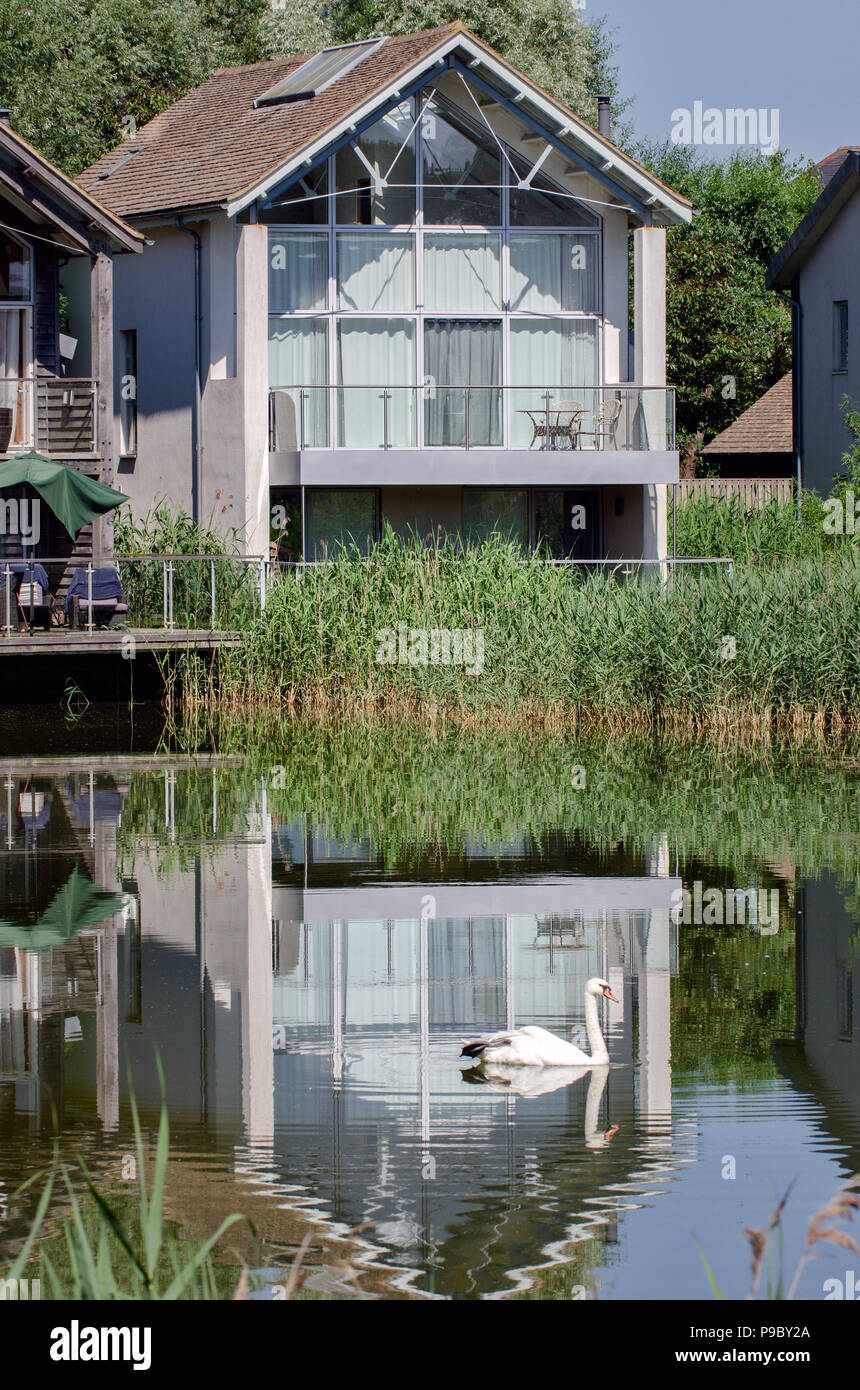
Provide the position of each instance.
(364, 197)
(298, 271)
(422, 298)
(543, 203)
(305, 201)
(462, 172)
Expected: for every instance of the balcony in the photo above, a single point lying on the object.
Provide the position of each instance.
(54, 415)
(503, 435)
(471, 417)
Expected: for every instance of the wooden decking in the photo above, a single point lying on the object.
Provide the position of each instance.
(114, 641)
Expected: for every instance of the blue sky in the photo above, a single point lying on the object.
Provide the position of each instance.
(800, 58)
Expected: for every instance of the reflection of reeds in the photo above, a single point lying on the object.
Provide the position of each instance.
(823, 1229)
(106, 1252)
(436, 787)
(562, 649)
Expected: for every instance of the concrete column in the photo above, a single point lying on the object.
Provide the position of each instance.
(649, 305)
(655, 1036)
(649, 336)
(258, 1060)
(252, 353)
(101, 368)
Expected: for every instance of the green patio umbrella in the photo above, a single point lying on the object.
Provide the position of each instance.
(78, 904)
(74, 499)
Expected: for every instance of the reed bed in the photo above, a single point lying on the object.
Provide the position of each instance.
(779, 533)
(764, 649)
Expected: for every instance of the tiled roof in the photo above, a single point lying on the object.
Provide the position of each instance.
(765, 428)
(840, 188)
(213, 144)
(85, 203)
(833, 163)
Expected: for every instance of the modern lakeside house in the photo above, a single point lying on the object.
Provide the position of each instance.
(390, 282)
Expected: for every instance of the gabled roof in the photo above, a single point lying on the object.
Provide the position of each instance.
(38, 187)
(766, 428)
(841, 187)
(215, 148)
(831, 164)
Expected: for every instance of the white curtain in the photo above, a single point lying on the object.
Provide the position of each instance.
(375, 271)
(550, 272)
(555, 356)
(298, 271)
(298, 357)
(459, 353)
(461, 273)
(375, 354)
(10, 361)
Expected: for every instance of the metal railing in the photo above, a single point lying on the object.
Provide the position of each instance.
(620, 417)
(217, 593)
(202, 592)
(56, 414)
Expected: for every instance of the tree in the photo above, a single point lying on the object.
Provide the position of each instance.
(546, 39)
(728, 338)
(77, 74)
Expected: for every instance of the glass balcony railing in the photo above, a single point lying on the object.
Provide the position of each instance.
(471, 417)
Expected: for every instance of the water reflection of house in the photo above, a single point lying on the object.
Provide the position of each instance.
(173, 974)
(308, 1002)
(378, 975)
(825, 1062)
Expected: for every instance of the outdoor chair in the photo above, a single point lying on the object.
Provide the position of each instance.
(10, 614)
(35, 602)
(561, 421)
(606, 424)
(108, 603)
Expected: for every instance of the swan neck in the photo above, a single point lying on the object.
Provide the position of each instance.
(598, 1048)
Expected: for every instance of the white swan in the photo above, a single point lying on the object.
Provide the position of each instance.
(536, 1047)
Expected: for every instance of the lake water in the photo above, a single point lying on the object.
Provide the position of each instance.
(305, 937)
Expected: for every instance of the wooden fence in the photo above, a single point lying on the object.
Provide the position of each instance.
(755, 493)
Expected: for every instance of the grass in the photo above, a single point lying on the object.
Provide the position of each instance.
(165, 532)
(767, 648)
(776, 534)
(106, 1251)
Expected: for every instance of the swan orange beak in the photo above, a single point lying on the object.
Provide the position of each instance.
(607, 994)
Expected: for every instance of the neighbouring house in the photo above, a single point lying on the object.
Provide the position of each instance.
(759, 443)
(818, 268)
(389, 282)
(57, 249)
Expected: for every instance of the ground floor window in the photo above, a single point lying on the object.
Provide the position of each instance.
(285, 524)
(564, 522)
(567, 523)
(341, 519)
(496, 511)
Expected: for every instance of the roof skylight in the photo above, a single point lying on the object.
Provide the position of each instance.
(319, 72)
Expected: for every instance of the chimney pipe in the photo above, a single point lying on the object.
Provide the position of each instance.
(604, 117)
